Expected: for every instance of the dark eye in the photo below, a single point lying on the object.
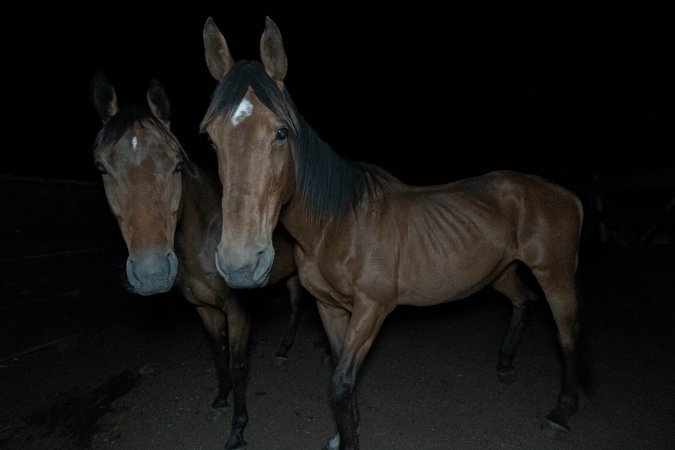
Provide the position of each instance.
(211, 143)
(101, 168)
(282, 134)
(179, 167)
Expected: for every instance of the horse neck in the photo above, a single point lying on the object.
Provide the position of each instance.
(200, 206)
(294, 218)
(304, 226)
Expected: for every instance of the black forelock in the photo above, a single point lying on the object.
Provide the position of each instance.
(231, 90)
(117, 126)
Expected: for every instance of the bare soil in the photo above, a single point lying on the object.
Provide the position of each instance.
(429, 382)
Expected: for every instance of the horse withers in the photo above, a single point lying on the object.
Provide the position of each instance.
(169, 212)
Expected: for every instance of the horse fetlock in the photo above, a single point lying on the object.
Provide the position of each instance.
(568, 403)
(220, 401)
(506, 373)
(235, 441)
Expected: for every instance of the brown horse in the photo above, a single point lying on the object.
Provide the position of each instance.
(163, 200)
(365, 241)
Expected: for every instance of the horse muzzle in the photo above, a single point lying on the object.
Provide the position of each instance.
(245, 272)
(152, 271)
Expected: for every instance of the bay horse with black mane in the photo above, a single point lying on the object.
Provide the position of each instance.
(169, 212)
(366, 242)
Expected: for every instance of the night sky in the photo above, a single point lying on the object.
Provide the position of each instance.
(430, 95)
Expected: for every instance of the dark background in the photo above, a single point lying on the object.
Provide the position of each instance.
(431, 94)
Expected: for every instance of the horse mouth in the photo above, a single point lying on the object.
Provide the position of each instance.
(149, 273)
(250, 276)
(155, 288)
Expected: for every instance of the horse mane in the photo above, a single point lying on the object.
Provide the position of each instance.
(126, 118)
(327, 184)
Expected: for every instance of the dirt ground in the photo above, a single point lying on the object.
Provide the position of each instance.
(429, 382)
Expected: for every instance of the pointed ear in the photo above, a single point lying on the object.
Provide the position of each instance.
(103, 96)
(218, 58)
(158, 101)
(272, 53)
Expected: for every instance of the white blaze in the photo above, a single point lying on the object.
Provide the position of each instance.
(244, 110)
(134, 142)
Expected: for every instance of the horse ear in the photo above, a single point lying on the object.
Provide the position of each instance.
(158, 101)
(218, 58)
(103, 96)
(272, 53)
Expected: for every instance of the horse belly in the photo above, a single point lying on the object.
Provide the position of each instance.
(448, 279)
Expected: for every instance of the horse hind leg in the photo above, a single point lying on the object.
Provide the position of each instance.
(510, 284)
(560, 292)
(296, 298)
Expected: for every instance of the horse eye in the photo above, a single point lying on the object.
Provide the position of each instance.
(179, 167)
(282, 133)
(101, 168)
(211, 143)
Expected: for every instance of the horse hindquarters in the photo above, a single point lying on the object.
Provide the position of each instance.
(551, 252)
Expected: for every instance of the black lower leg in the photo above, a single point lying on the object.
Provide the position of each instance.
(221, 356)
(346, 414)
(238, 370)
(505, 369)
(568, 399)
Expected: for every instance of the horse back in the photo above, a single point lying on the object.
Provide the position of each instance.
(424, 245)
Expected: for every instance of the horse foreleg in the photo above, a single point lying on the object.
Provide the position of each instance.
(239, 330)
(356, 340)
(295, 296)
(215, 325)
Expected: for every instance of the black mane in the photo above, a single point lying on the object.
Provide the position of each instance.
(327, 184)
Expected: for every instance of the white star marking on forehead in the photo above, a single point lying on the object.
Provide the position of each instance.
(134, 142)
(244, 110)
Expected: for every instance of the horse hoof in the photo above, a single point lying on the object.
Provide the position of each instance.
(219, 403)
(506, 376)
(215, 415)
(554, 428)
(236, 445)
(334, 443)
